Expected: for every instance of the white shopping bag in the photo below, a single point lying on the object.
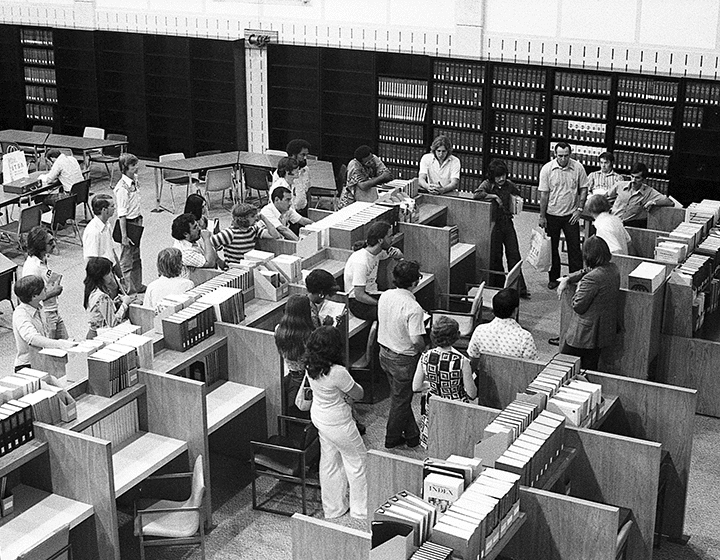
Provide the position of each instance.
(539, 256)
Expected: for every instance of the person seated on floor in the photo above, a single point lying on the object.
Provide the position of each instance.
(242, 235)
(194, 243)
(28, 326)
(171, 281)
(279, 214)
(503, 335)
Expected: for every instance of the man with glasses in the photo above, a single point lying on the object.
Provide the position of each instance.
(364, 173)
(563, 190)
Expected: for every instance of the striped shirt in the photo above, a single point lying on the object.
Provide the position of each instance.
(235, 242)
(601, 182)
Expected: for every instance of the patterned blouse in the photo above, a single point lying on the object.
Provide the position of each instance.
(443, 369)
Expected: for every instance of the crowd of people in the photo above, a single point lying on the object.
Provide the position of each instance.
(307, 338)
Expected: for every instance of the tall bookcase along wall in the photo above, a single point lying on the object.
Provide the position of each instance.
(41, 94)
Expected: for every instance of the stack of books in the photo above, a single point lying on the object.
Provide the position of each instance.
(143, 345)
(189, 326)
(690, 233)
(445, 481)
(409, 510)
(117, 426)
(432, 551)
(344, 234)
(670, 251)
(16, 425)
(76, 368)
(513, 420)
(228, 304)
(112, 369)
(289, 265)
(20, 384)
(703, 211)
(647, 277)
(474, 524)
(697, 269)
(235, 277)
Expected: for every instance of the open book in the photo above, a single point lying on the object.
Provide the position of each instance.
(331, 309)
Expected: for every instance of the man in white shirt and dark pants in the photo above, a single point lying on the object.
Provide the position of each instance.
(401, 330)
(97, 237)
(127, 201)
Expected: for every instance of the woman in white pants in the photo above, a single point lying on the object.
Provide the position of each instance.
(342, 451)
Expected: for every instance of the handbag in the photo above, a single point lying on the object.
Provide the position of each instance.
(303, 399)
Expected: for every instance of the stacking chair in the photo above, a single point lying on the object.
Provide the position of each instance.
(257, 178)
(622, 540)
(467, 320)
(30, 217)
(173, 523)
(512, 280)
(173, 178)
(201, 175)
(90, 132)
(108, 156)
(219, 180)
(286, 457)
(63, 212)
(56, 546)
(35, 153)
(81, 190)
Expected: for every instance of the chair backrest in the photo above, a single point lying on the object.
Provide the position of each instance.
(341, 178)
(8, 147)
(170, 173)
(513, 276)
(622, 539)
(81, 189)
(63, 210)
(207, 153)
(94, 132)
(49, 548)
(281, 153)
(198, 484)
(29, 218)
(476, 307)
(257, 178)
(219, 179)
(310, 436)
(115, 151)
(42, 128)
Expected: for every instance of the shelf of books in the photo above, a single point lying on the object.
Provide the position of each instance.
(401, 109)
(40, 82)
(645, 131)
(457, 96)
(519, 109)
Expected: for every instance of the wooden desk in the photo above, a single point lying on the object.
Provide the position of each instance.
(227, 400)
(8, 198)
(37, 514)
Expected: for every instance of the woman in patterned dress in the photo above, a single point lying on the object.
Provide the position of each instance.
(443, 371)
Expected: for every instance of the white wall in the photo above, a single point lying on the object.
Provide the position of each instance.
(649, 36)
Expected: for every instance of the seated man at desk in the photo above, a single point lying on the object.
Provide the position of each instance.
(28, 326)
(635, 198)
(361, 270)
(279, 213)
(297, 150)
(440, 169)
(503, 335)
(64, 171)
(364, 173)
(194, 243)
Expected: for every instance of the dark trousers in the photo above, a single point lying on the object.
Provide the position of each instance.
(400, 370)
(363, 310)
(504, 236)
(555, 225)
(589, 357)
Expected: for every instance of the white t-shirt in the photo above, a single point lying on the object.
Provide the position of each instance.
(328, 404)
(610, 228)
(361, 269)
(440, 173)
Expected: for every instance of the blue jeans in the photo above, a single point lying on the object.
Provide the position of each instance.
(400, 370)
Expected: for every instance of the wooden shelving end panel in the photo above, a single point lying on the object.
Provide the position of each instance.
(18, 457)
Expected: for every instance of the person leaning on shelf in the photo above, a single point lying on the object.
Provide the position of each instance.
(635, 198)
(170, 269)
(279, 214)
(440, 169)
(608, 227)
(298, 149)
(498, 188)
(603, 181)
(562, 200)
(194, 243)
(364, 173)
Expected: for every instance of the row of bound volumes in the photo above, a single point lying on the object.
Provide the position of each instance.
(580, 107)
(529, 194)
(660, 185)
(516, 146)
(228, 303)
(41, 93)
(401, 110)
(40, 75)
(112, 369)
(458, 95)
(471, 164)
(640, 113)
(39, 112)
(524, 171)
(693, 117)
(706, 93)
(578, 130)
(587, 155)
(462, 140)
(404, 89)
(462, 72)
(231, 278)
(518, 100)
(401, 132)
(188, 327)
(400, 154)
(519, 77)
(211, 368)
(647, 88)
(118, 426)
(644, 138)
(42, 37)
(593, 84)
(44, 57)
(656, 163)
(518, 123)
(460, 118)
(468, 183)
(16, 425)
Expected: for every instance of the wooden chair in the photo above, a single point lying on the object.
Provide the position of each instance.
(63, 212)
(108, 156)
(174, 178)
(257, 178)
(287, 457)
(56, 546)
(174, 523)
(219, 180)
(512, 280)
(467, 320)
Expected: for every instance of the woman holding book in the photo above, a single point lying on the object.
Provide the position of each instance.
(196, 205)
(105, 300)
(342, 451)
(443, 370)
(291, 334)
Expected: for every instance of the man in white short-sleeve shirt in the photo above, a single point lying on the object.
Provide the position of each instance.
(440, 169)
(279, 213)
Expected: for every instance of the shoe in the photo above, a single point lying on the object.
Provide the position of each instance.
(361, 428)
(553, 284)
(413, 442)
(396, 443)
(555, 341)
(525, 295)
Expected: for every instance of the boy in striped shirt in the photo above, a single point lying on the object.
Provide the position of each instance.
(240, 237)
